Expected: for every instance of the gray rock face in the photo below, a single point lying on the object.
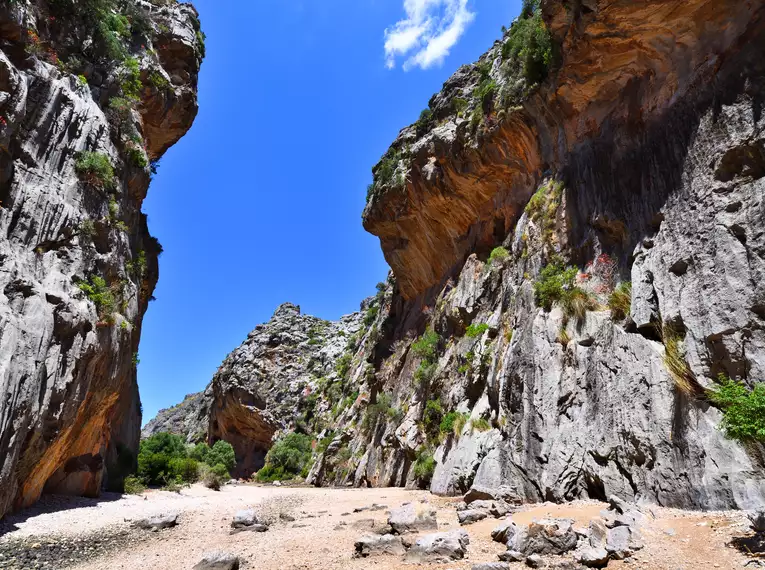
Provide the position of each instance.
(187, 419)
(218, 561)
(439, 547)
(408, 518)
(386, 544)
(70, 413)
(623, 541)
(757, 518)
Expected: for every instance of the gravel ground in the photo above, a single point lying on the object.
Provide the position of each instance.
(310, 529)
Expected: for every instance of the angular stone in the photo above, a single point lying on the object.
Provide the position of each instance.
(470, 516)
(757, 518)
(491, 566)
(547, 536)
(598, 533)
(244, 518)
(504, 531)
(594, 557)
(534, 561)
(406, 518)
(623, 541)
(511, 556)
(158, 522)
(439, 547)
(379, 545)
(218, 561)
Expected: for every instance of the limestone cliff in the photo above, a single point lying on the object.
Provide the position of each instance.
(92, 94)
(633, 155)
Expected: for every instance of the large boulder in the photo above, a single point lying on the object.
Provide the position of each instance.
(623, 541)
(439, 547)
(218, 561)
(594, 557)
(407, 518)
(494, 508)
(504, 531)
(547, 536)
(378, 545)
(757, 518)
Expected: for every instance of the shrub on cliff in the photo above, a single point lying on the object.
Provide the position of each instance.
(743, 409)
(530, 45)
(554, 280)
(424, 466)
(620, 300)
(95, 169)
(287, 458)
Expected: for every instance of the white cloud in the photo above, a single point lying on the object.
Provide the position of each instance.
(431, 29)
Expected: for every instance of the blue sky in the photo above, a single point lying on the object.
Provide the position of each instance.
(260, 203)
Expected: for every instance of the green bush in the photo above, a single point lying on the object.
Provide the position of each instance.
(432, 416)
(136, 155)
(222, 453)
(480, 424)
(183, 469)
(158, 80)
(553, 282)
(100, 294)
(385, 173)
(424, 466)
(474, 331)
(453, 422)
(743, 409)
(425, 347)
(133, 485)
(130, 79)
(498, 255)
(95, 169)
(214, 477)
(676, 363)
(343, 365)
(424, 374)
(424, 120)
(575, 302)
(381, 408)
(620, 300)
(287, 458)
(530, 45)
(371, 315)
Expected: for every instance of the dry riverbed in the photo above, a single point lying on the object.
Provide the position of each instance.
(313, 528)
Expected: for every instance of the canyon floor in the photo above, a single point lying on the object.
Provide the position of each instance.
(312, 528)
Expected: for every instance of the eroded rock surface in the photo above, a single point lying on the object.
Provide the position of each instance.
(70, 410)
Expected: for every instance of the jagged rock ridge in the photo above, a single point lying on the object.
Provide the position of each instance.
(77, 263)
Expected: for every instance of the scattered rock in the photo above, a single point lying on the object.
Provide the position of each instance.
(218, 561)
(478, 492)
(504, 531)
(379, 545)
(491, 566)
(547, 536)
(757, 518)
(470, 516)
(617, 504)
(407, 519)
(494, 508)
(594, 557)
(439, 547)
(670, 532)
(511, 556)
(252, 528)
(244, 518)
(158, 522)
(598, 533)
(623, 541)
(534, 561)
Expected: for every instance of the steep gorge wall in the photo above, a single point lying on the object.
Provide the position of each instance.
(644, 156)
(70, 409)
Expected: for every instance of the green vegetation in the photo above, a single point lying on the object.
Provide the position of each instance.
(529, 45)
(423, 122)
(380, 409)
(164, 460)
(459, 105)
(388, 172)
(288, 458)
(543, 206)
(133, 485)
(95, 169)
(675, 362)
(620, 301)
(213, 477)
(136, 155)
(130, 79)
(343, 365)
(371, 315)
(424, 374)
(453, 422)
(156, 79)
(480, 424)
(425, 347)
(101, 295)
(137, 266)
(498, 255)
(432, 416)
(474, 331)
(424, 466)
(743, 409)
(201, 37)
(554, 281)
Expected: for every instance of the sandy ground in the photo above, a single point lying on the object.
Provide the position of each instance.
(317, 537)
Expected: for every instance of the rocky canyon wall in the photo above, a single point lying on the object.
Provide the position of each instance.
(92, 94)
(636, 159)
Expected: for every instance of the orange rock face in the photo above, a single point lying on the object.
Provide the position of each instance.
(621, 64)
